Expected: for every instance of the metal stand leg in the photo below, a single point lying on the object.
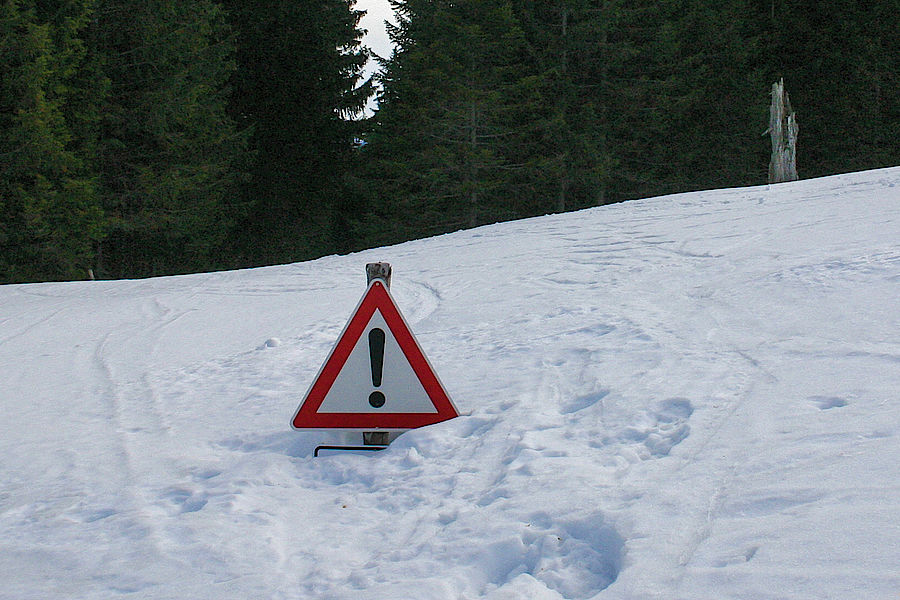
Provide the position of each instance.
(372, 442)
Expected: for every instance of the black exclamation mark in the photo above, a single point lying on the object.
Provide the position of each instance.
(376, 357)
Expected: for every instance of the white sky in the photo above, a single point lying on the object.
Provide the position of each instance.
(376, 38)
(376, 13)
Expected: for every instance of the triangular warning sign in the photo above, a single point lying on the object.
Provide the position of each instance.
(376, 376)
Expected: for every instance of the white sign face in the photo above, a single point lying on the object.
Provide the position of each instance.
(399, 386)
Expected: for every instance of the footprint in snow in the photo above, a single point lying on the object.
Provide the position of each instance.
(827, 402)
(582, 402)
(181, 500)
(660, 429)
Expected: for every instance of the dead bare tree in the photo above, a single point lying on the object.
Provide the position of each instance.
(783, 129)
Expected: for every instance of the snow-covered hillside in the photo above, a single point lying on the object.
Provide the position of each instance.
(693, 396)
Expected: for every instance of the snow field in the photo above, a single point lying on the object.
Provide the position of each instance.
(691, 396)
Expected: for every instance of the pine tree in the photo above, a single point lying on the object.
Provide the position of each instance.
(586, 102)
(449, 116)
(711, 125)
(675, 88)
(49, 214)
(299, 88)
(567, 65)
(167, 151)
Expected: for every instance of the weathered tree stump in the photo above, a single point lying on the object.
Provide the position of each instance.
(783, 129)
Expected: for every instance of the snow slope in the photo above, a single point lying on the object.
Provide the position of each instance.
(692, 396)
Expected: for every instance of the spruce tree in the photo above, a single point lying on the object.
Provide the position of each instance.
(49, 213)
(567, 65)
(167, 150)
(709, 127)
(299, 89)
(449, 116)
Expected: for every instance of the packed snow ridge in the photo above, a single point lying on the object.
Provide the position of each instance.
(691, 396)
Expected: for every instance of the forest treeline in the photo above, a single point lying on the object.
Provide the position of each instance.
(151, 137)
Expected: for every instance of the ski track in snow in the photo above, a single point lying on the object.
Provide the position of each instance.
(650, 410)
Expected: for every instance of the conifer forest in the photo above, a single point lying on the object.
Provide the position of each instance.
(152, 137)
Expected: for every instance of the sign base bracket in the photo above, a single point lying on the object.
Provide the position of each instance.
(372, 441)
(366, 448)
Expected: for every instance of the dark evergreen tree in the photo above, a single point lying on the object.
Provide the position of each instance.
(450, 116)
(49, 214)
(632, 90)
(567, 63)
(299, 89)
(675, 89)
(714, 93)
(167, 150)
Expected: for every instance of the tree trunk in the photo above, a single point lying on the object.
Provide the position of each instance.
(473, 167)
(783, 130)
(564, 159)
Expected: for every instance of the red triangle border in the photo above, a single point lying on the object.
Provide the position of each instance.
(377, 297)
